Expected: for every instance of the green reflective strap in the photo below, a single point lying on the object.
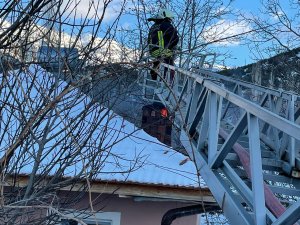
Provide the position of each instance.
(161, 41)
(156, 53)
(162, 53)
(167, 53)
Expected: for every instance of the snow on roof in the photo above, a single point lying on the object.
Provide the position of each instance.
(128, 153)
(156, 164)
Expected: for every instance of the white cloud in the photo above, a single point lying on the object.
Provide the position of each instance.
(108, 50)
(4, 25)
(223, 30)
(104, 49)
(92, 9)
(127, 25)
(276, 16)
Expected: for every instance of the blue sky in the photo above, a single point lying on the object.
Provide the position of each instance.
(241, 54)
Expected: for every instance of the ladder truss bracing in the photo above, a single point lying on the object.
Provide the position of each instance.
(243, 138)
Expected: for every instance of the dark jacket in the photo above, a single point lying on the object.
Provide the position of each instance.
(162, 38)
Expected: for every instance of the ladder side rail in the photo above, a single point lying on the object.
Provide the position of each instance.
(284, 94)
(256, 170)
(278, 93)
(272, 92)
(213, 132)
(292, 141)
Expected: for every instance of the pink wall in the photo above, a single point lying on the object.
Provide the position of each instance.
(136, 212)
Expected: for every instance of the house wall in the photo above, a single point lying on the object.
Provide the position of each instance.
(135, 212)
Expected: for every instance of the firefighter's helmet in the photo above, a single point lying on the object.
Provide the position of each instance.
(165, 13)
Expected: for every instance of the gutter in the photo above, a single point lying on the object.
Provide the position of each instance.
(173, 214)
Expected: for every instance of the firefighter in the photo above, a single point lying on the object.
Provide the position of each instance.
(162, 41)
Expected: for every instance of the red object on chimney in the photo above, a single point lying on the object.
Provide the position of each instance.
(164, 112)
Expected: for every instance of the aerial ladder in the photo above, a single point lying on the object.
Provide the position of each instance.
(243, 138)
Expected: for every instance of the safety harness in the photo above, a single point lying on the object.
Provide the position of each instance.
(161, 51)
